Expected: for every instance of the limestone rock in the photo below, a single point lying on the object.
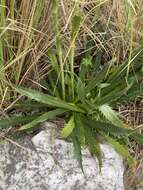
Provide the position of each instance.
(46, 162)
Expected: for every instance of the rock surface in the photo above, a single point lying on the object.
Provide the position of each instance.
(46, 162)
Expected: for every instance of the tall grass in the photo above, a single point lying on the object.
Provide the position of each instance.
(53, 40)
(25, 34)
(29, 27)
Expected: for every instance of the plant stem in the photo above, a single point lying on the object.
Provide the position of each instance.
(58, 44)
(2, 23)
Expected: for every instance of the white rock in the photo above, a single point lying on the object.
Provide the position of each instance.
(49, 164)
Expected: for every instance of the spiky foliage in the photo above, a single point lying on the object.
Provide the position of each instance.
(90, 116)
(86, 96)
(112, 26)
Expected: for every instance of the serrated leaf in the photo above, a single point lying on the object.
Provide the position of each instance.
(93, 145)
(47, 99)
(80, 129)
(111, 115)
(67, 130)
(29, 105)
(77, 150)
(108, 128)
(49, 115)
(17, 120)
(123, 151)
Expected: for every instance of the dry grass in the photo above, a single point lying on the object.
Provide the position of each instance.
(133, 114)
(114, 27)
(26, 32)
(25, 36)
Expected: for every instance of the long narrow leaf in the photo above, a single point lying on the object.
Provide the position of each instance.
(108, 128)
(113, 95)
(47, 99)
(17, 120)
(138, 137)
(49, 115)
(135, 91)
(77, 150)
(111, 115)
(99, 76)
(97, 80)
(123, 151)
(79, 128)
(93, 145)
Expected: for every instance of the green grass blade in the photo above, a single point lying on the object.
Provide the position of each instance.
(134, 92)
(114, 95)
(76, 24)
(97, 79)
(59, 44)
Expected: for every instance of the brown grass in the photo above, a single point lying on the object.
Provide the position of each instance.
(133, 114)
(114, 27)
